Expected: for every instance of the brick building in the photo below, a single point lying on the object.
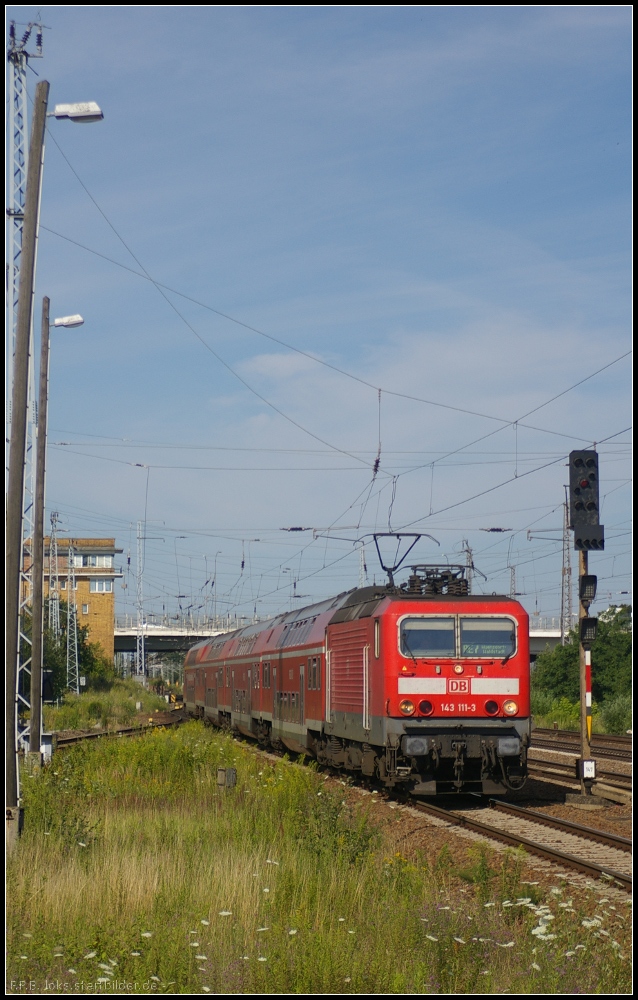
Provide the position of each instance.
(95, 576)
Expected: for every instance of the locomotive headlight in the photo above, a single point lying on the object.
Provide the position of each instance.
(510, 707)
(406, 707)
(458, 668)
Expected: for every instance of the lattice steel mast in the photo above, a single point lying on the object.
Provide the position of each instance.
(72, 659)
(18, 146)
(54, 578)
(566, 610)
(140, 665)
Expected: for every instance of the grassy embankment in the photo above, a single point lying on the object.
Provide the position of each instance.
(135, 869)
(111, 705)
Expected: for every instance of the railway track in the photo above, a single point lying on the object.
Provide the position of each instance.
(565, 741)
(580, 848)
(60, 742)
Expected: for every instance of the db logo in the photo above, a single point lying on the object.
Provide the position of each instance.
(458, 687)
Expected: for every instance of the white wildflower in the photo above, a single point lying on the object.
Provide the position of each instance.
(569, 954)
(72, 971)
(556, 891)
(260, 929)
(205, 922)
(90, 954)
(262, 959)
(488, 904)
(147, 934)
(460, 940)
(201, 958)
(266, 890)
(81, 843)
(194, 944)
(431, 937)
(206, 989)
(350, 932)
(580, 947)
(341, 920)
(291, 933)
(510, 944)
(101, 965)
(594, 922)
(225, 913)
(136, 954)
(103, 979)
(534, 965)
(155, 979)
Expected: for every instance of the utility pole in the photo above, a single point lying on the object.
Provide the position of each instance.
(37, 612)
(589, 535)
(17, 453)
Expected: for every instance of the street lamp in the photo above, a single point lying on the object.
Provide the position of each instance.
(82, 113)
(37, 644)
(15, 486)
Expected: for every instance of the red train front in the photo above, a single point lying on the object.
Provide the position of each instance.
(423, 686)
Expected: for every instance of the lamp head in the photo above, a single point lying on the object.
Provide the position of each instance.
(89, 111)
(69, 321)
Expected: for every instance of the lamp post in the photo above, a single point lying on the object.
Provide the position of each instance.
(37, 617)
(17, 448)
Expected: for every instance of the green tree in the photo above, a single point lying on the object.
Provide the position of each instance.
(92, 662)
(556, 671)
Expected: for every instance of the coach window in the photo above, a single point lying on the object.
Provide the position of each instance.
(488, 637)
(427, 637)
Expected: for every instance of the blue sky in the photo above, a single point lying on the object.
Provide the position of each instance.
(435, 200)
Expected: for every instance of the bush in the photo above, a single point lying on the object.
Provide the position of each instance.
(616, 715)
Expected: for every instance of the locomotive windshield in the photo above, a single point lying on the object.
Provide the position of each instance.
(427, 637)
(487, 637)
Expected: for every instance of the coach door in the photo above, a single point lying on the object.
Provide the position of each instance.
(302, 689)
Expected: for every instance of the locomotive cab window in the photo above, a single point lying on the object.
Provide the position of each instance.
(488, 637)
(427, 637)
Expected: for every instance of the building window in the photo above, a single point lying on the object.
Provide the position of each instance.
(101, 562)
(85, 609)
(63, 585)
(101, 586)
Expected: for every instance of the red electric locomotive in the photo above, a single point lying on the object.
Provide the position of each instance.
(423, 685)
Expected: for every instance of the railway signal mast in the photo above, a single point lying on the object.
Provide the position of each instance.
(589, 535)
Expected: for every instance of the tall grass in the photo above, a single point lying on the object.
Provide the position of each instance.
(134, 868)
(114, 704)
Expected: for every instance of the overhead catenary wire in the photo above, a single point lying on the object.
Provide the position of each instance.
(320, 361)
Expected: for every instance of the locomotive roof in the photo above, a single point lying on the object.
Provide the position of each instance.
(355, 603)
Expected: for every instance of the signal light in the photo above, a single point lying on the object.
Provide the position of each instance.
(426, 707)
(491, 707)
(583, 488)
(588, 627)
(589, 537)
(587, 591)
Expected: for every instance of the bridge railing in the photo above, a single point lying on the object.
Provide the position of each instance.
(188, 623)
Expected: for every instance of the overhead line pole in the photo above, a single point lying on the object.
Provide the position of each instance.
(17, 448)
